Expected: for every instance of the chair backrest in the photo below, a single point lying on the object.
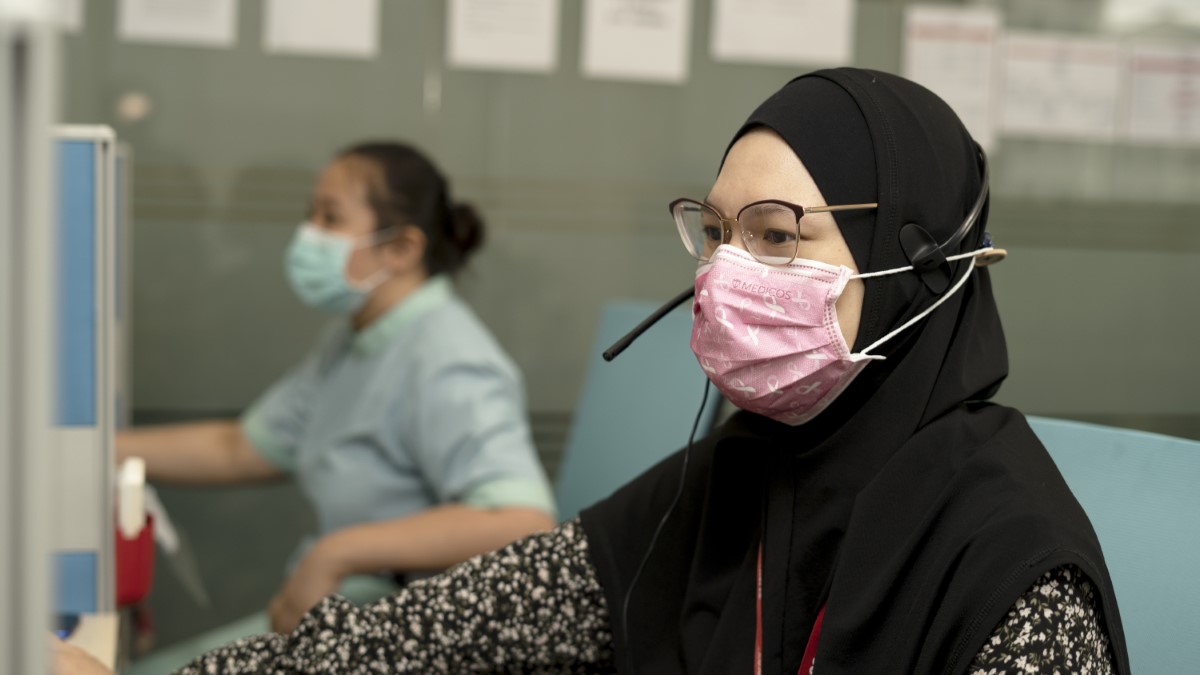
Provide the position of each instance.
(635, 410)
(1142, 494)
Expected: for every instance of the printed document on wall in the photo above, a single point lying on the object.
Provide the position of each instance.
(637, 39)
(1164, 95)
(71, 15)
(783, 32)
(322, 28)
(516, 35)
(951, 50)
(198, 23)
(1061, 86)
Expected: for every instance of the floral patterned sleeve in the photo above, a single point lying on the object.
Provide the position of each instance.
(534, 606)
(1055, 627)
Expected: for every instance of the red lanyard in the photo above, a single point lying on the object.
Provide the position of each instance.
(758, 617)
(810, 649)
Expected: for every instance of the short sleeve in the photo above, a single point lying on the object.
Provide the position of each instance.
(1056, 626)
(275, 423)
(472, 440)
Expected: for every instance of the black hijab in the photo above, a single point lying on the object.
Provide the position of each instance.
(911, 509)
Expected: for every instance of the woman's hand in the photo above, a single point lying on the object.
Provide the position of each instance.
(71, 660)
(317, 576)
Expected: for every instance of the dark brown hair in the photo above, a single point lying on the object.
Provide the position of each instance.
(409, 190)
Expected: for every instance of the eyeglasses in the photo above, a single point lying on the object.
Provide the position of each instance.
(770, 228)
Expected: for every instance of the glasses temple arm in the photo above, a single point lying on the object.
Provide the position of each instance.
(842, 207)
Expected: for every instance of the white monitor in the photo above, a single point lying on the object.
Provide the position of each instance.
(27, 79)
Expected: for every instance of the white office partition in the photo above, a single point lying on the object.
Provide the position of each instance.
(27, 80)
(85, 414)
(123, 301)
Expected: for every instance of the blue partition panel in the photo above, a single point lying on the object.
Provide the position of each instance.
(75, 582)
(76, 405)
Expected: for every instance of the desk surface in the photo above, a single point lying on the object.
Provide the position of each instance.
(97, 634)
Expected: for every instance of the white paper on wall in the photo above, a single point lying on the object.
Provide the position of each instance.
(644, 40)
(204, 23)
(784, 32)
(322, 28)
(952, 52)
(71, 14)
(515, 35)
(1061, 86)
(1164, 95)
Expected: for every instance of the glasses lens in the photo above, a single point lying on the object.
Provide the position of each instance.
(699, 227)
(772, 232)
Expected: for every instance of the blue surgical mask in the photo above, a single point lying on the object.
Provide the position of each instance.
(316, 267)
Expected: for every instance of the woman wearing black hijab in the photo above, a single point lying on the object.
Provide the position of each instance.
(874, 514)
(909, 515)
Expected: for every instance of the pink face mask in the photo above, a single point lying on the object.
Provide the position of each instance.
(768, 336)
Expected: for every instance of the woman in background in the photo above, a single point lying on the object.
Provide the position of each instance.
(405, 425)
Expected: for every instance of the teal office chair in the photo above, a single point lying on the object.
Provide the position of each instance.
(634, 410)
(1142, 494)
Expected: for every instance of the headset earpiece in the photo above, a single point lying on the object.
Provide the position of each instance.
(926, 257)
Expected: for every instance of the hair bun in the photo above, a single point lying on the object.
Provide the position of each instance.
(466, 229)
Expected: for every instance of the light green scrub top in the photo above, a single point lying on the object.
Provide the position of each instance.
(420, 408)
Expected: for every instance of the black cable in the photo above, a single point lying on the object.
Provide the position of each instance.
(658, 530)
(951, 244)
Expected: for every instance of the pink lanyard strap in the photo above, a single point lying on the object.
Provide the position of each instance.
(810, 649)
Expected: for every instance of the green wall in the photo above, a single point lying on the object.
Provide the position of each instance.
(1099, 296)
